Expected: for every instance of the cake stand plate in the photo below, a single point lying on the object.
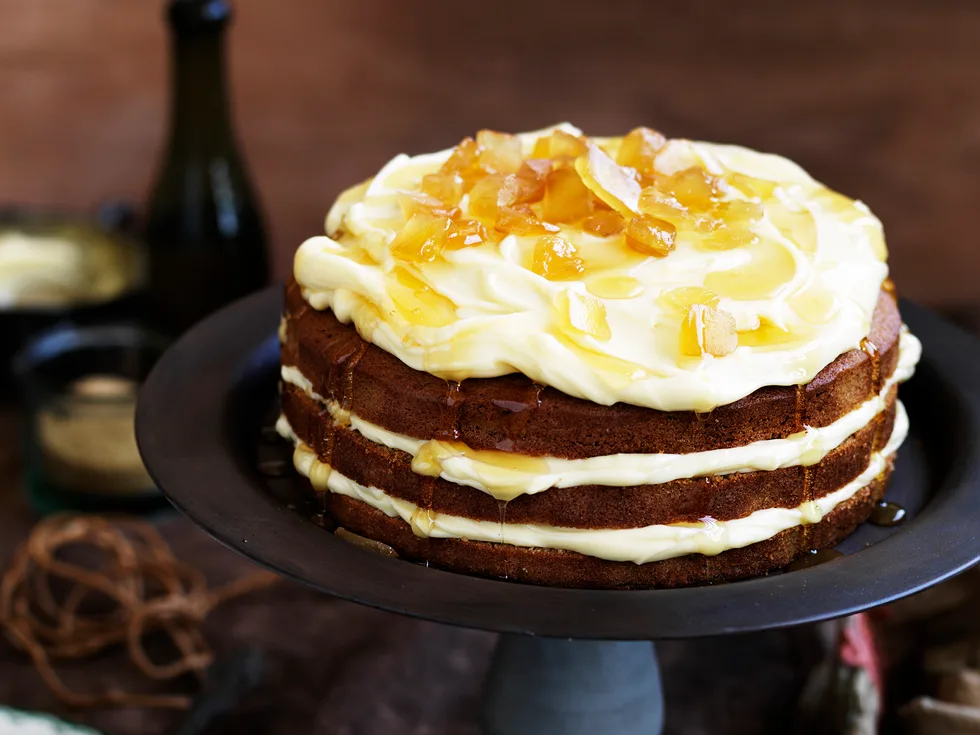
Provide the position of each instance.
(200, 421)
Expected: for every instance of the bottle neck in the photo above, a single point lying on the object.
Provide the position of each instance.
(200, 117)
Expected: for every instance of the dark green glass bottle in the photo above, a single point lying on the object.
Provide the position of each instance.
(206, 239)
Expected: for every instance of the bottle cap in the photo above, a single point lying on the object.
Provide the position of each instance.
(199, 15)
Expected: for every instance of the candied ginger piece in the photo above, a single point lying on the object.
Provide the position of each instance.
(662, 204)
(639, 149)
(421, 203)
(650, 235)
(556, 259)
(500, 153)
(610, 182)
(531, 180)
(560, 145)
(708, 331)
(566, 144)
(466, 233)
(581, 314)
(694, 187)
(421, 239)
(566, 198)
(447, 188)
(604, 223)
(492, 193)
(517, 222)
(464, 161)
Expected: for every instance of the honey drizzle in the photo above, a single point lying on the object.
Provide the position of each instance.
(502, 507)
(798, 426)
(427, 494)
(323, 448)
(352, 363)
(454, 402)
(870, 349)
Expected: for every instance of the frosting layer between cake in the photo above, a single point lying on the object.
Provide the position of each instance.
(637, 545)
(505, 475)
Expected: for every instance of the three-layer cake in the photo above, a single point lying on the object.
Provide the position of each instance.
(605, 362)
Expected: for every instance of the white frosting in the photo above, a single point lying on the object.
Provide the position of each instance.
(506, 476)
(638, 545)
(488, 314)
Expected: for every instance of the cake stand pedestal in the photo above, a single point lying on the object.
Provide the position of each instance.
(572, 661)
(550, 686)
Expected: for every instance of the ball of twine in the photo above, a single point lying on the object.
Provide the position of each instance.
(54, 609)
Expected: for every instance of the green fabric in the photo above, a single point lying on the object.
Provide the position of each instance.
(16, 722)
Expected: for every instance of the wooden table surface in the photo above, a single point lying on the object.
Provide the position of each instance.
(340, 669)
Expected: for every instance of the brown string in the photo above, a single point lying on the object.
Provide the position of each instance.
(148, 588)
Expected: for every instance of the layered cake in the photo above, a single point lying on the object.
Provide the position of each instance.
(595, 362)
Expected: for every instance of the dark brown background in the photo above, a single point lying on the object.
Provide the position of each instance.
(879, 100)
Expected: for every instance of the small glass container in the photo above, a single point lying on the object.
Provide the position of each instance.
(79, 388)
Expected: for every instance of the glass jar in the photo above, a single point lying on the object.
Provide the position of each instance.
(79, 387)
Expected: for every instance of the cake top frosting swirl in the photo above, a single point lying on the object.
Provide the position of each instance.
(671, 274)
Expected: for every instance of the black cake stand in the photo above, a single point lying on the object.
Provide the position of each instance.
(571, 661)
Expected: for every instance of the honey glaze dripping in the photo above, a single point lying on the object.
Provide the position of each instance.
(887, 513)
(364, 542)
(502, 508)
(454, 404)
(813, 558)
(347, 364)
(799, 409)
(503, 473)
(870, 349)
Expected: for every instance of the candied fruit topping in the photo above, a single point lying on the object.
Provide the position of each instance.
(516, 222)
(566, 198)
(531, 180)
(447, 188)
(466, 233)
(661, 204)
(556, 259)
(610, 182)
(464, 161)
(639, 149)
(493, 193)
(607, 187)
(420, 203)
(500, 153)
(650, 235)
(421, 239)
(560, 145)
(694, 188)
(582, 315)
(707, 330)
(604, 223)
